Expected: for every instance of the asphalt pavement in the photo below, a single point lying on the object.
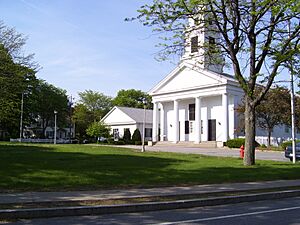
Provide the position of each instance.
(274, 212)
(220, 152)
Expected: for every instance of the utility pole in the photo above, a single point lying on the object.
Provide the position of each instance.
(292, 102)
(293, 113)
(21, 119)
(70, 103)
(55, 127)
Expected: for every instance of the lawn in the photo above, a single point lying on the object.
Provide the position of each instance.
(83, 167)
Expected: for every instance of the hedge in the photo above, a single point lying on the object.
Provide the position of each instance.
(287, 143)
(237, 143)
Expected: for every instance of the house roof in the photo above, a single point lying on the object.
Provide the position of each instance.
(135, 114)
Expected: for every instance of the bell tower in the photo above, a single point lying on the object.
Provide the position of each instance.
(199, 41)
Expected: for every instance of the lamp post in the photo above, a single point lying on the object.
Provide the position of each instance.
(144, 121)
(70, 103)
(55, 117)
(21, 119)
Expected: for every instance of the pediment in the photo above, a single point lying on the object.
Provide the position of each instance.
(117, 116)
(186, 77)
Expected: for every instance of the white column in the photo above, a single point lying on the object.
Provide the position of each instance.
(225, 117)
(176, 121)
(233, 116)
(205, 125)
(162, 122)
(197, 120)
(155, 122)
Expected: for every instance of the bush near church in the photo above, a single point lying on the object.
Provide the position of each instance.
(127, 136)
(136, 137)
(237, 143)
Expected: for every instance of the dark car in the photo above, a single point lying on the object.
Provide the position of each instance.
(289, 152)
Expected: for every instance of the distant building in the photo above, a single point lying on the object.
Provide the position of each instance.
(122, 118)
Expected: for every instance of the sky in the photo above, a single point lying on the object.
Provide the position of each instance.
(86, 44)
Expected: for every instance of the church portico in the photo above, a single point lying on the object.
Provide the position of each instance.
(198, 118)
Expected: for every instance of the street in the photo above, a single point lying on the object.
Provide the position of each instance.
(219, 152)
(275, 212)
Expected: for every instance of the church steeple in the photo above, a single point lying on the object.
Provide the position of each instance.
(198, 41)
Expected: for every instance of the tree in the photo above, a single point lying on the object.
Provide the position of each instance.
(14, 42)
(98, 129)
(97, 103)
(82, 118)
(132, 98)
(47, 99)
(252, 35)
(273, 110)
(17, 78)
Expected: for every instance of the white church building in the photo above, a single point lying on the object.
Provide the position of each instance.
(196, 102)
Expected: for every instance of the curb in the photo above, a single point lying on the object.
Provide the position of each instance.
(141, 207)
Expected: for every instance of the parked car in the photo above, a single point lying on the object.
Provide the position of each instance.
(289, 152)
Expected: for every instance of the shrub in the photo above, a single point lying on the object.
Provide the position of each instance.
(287, 143)
(136, 136)
(110, 140)
(138, 143)
(237, 143)
(120, 142)
(127, 136)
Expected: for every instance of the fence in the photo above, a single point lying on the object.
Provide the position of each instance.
(39, 140)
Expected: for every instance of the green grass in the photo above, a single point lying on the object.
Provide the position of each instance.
(83, 167)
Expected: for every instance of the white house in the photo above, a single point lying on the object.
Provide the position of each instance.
(196, 102)
(122, 118)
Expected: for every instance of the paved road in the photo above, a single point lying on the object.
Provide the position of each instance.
(284, 211)
(222, 152)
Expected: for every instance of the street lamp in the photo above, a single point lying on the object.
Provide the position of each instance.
(55, 117)
(21, 119)
(70, 103)
(144, 121)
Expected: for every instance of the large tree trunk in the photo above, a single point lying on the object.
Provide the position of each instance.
(249, 157)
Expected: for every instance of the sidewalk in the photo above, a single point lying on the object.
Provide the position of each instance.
(27, 197)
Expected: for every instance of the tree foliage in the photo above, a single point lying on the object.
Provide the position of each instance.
(252, 35)
(98, 129)
(17, 77)
(13, 42)
(96, 103)
(82, 117)
(132, 98)
(273, 111)
(47, 99)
